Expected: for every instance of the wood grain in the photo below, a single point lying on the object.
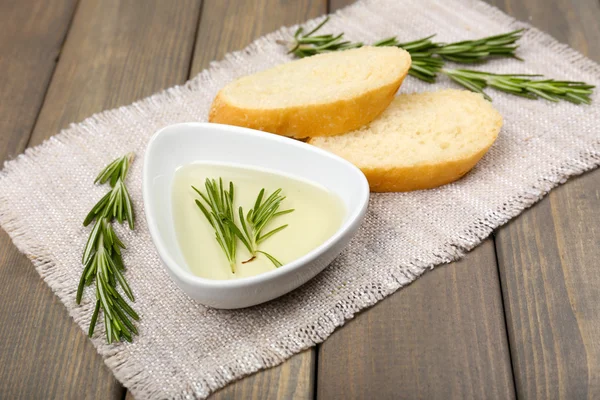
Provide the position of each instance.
(548, 264)
(335, 5)
(135, 49)
(549, 255)
(294, 379)
(570, 21)
(115, 52)
(32, 35)
(227, 26)
(231, 25)
(441, 337)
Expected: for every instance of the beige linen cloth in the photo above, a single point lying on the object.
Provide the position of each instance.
(186, 350)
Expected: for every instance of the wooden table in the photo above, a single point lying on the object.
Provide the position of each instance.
(518, 317)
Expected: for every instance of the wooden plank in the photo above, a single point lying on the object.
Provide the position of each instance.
(549, 256)
(32, 35)
(570, 21)
(231, 25)
(116, 51)
(227, 26)
(294, 379)
(136, 49)
(335, 5)
(441, 337)
(548, 264)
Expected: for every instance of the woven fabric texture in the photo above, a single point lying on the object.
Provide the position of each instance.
(186, 350)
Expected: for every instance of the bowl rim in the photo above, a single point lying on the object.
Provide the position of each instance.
(355, 216)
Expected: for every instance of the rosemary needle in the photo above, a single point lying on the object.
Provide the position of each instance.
(102, 260)
(115, 170)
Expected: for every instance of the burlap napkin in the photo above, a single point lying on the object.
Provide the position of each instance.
(187, 350)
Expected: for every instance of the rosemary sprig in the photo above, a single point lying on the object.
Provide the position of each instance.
(523, 85)
(429, 58)
(464, 52)
(115, 170)
(218, 213)
(424, 66)
(116, 203)
(102, 255)
(309, 44)
(255, 221)
(217, 207)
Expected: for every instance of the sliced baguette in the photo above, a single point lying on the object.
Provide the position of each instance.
(420, 141)
(326, 94)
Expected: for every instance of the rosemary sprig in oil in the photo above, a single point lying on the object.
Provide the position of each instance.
(218, 211)
(217, 207)
(255, 221)
(429, 59)
(102, 260)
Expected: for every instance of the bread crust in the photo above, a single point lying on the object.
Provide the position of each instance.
(418, 177)
(309, 120)
(421, 176)
(430, 169)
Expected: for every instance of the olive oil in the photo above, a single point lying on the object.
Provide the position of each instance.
(317, 215)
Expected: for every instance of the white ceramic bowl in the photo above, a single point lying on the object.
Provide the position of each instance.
(181, 144)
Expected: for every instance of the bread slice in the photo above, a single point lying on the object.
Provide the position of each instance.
(420, 141)
(326, 94)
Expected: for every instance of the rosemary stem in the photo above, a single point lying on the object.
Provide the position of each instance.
(429, 58)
